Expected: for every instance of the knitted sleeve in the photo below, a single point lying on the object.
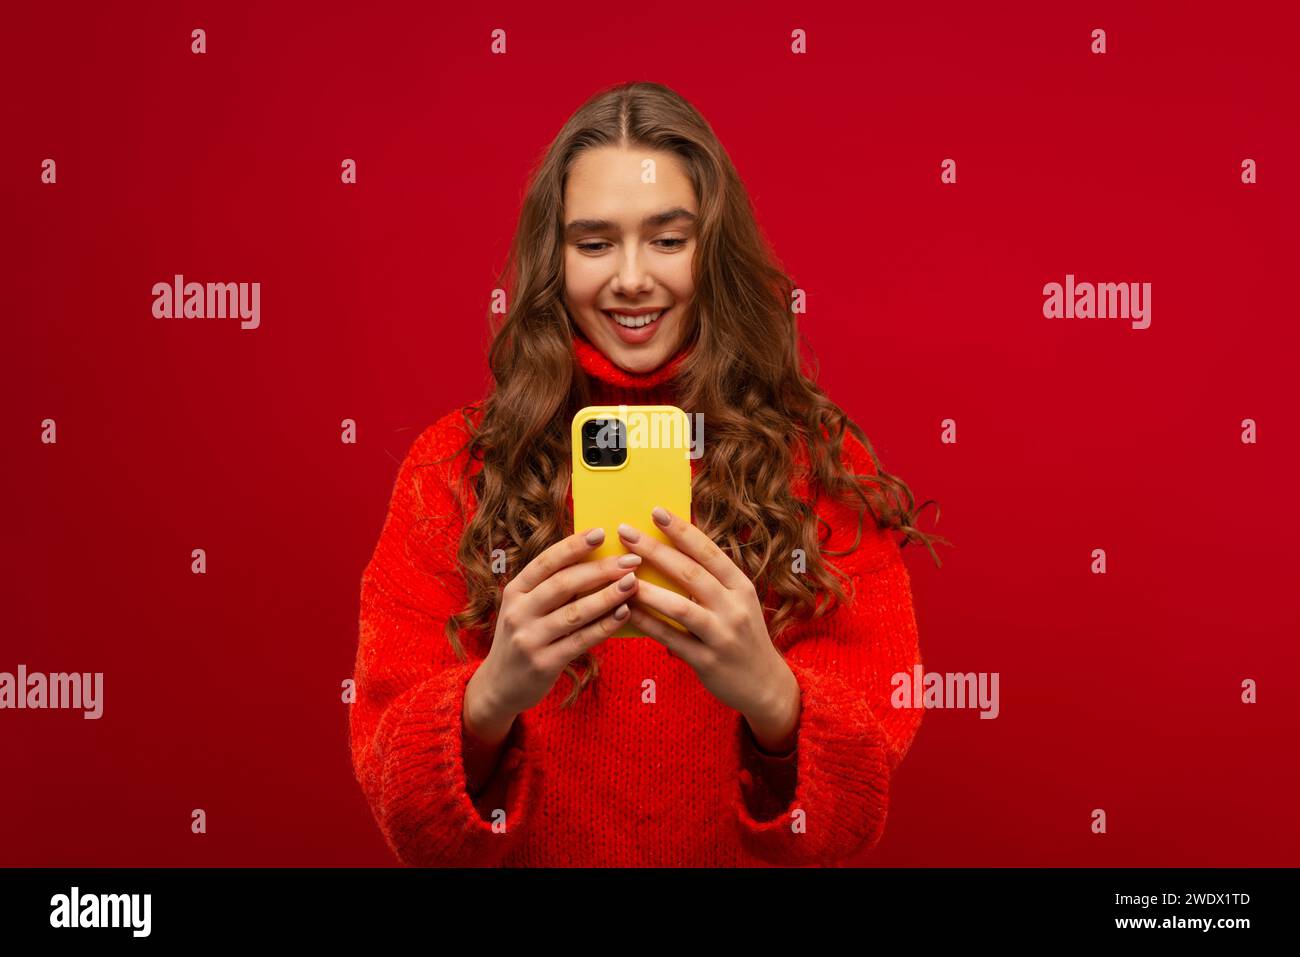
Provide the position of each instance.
(406, 730)
(849, 738)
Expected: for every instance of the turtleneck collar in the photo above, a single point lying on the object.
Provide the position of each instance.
(611, 385)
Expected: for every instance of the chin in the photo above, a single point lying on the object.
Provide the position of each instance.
(640, 367)
(631, 358)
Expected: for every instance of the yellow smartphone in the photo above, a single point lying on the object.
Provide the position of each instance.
(626, 460)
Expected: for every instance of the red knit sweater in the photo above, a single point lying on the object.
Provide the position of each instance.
(614, 780)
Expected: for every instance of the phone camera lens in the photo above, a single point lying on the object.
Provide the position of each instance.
(591, 456)
(590, 428)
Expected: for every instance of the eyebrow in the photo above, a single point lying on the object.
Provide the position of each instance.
(654, 220)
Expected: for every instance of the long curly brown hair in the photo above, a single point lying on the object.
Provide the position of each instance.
(743, 373)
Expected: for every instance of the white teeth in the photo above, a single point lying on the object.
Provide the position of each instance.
(636, 322)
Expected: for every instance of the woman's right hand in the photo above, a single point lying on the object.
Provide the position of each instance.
(541, 627)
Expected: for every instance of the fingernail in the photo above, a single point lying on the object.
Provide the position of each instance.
(628, 532)
(621, 611)
(595, 536)
(661, 516)
(629, 561)
(627, 581)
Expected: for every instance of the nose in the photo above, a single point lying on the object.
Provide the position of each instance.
(631, 276)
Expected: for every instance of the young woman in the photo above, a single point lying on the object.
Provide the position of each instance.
(765, 734)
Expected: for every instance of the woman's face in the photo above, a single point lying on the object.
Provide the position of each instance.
(628, 246)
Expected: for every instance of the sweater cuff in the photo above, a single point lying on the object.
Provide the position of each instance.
(493, 790)
(841, 789)
(429, 818)
(767, 781)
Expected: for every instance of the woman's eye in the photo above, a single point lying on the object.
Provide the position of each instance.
(592, 247)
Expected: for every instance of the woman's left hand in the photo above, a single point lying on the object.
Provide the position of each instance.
(728, 647)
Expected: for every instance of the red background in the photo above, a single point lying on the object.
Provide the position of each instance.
(1118, 691)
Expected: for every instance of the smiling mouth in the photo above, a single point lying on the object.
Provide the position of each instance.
(635, 322)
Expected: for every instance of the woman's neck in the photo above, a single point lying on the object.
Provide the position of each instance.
(611, 385)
